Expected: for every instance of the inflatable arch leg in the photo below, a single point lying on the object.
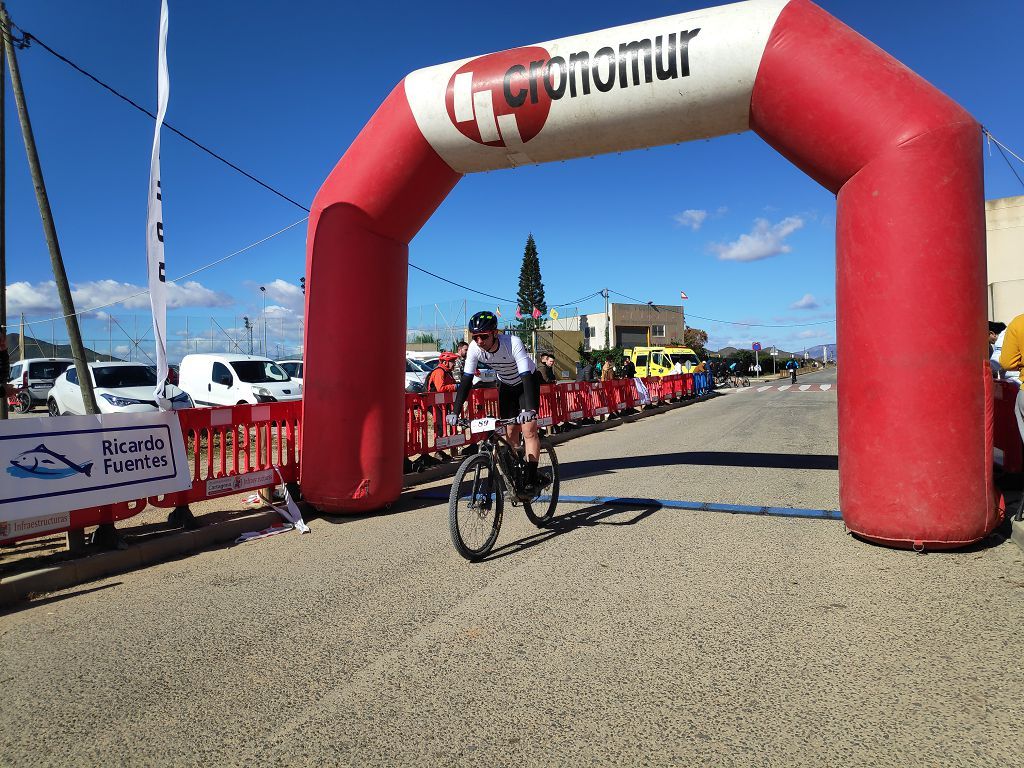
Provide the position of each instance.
(903, 160)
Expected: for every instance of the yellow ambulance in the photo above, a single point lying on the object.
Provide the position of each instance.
(659, 361)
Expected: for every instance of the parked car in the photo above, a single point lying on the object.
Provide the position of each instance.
(293, 368)
(224, 379)
(35, 376)
(415, 376)
(119, 388)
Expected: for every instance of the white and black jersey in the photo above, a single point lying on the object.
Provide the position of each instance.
(509, 361)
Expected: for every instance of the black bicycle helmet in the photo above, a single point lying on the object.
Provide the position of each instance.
(482, 322)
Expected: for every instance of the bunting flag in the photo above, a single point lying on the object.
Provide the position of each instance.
(554, 314)
(497, 310)
(535, 314)
(519, 314)
(682, 295)
(155, 224)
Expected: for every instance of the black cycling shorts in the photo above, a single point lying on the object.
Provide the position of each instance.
(512, 399)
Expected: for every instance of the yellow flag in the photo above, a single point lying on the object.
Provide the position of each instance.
(554, 314)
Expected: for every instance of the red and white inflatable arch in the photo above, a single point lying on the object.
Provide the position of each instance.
(903, 159)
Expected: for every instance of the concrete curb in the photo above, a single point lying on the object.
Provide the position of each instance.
(17, 588)
(1017, 533)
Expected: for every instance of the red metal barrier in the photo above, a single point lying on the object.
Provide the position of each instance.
(1006, 435)
(234, 449)
(230, 450)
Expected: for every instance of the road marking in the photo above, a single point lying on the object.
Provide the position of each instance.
(763, 389)
(784, 387)
(804, 387)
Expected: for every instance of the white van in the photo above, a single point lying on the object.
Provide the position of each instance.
(218, 379)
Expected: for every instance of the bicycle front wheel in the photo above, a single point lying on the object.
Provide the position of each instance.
(537, 510)
(474, 507)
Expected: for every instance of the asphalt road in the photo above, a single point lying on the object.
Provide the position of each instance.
(624, 636)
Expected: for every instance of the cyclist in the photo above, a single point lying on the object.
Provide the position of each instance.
(518, 386)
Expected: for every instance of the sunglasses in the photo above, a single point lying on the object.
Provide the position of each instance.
(482, 336)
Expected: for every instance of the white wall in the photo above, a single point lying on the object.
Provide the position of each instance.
(1004, 225)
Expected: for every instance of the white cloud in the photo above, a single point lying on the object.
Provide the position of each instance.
(808, 334)
(691, 218)
(41, 298)
(285, 294)
(764, 241)
(807, 302)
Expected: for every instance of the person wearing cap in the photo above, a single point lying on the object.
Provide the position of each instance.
(441, 379)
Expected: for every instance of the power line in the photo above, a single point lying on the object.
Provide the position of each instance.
(175, 280)
(28, 38)
(1000, 146)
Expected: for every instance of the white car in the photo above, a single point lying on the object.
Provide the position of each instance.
(293, 368)
(227, 379)
(119, 388)
(415, 376)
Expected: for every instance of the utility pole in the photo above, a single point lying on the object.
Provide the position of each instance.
(263, 290)
(3, 223)
(50, 231)
(607, 321)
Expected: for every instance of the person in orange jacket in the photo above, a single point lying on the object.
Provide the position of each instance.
(441, 379)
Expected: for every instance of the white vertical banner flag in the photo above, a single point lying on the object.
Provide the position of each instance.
(155, 224)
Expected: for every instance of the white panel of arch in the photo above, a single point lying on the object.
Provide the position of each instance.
(673, 79)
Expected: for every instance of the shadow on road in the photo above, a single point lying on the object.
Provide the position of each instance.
(587, 517)
(591, 467)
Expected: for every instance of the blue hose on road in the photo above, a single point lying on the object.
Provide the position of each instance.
(696, 506)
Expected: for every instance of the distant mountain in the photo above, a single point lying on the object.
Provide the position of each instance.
(813, 353)
(38, 348)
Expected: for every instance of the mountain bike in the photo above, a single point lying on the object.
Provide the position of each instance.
(481, 482)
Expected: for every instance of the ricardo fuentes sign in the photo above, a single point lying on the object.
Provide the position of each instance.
(51, 466)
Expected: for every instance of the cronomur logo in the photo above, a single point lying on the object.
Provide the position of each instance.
(503, 99)
(476, 98)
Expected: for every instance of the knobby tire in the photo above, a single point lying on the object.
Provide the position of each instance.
(540, 520)
(463, 516)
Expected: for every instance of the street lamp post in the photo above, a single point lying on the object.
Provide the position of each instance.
(263, 290)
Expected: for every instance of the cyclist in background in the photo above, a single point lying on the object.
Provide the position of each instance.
(518, 385)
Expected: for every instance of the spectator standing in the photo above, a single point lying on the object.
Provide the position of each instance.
(628, 369)
(586, 371)
(441, 379)
(607, 371)
(996, 338)
(460, 350)
(1009, 348)
(546, 369)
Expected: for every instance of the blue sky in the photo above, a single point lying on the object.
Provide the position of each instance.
(282, 89)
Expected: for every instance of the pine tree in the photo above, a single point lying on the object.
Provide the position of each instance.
(531, 292)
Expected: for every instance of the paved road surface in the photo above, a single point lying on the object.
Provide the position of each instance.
(626, 636)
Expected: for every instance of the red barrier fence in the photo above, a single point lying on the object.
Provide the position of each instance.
(1006, 435)
(230, 450)
(235, 449)
(427, 432)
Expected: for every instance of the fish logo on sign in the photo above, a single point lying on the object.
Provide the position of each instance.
(478, 98)
(44, 464)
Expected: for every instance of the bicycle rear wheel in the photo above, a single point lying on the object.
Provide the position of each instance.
(474, 507)
(540, 512)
